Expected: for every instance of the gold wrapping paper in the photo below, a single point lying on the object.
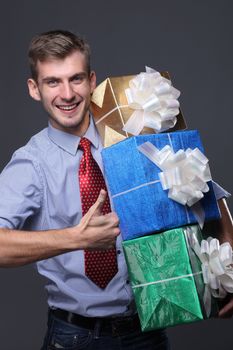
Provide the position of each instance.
(110, 111)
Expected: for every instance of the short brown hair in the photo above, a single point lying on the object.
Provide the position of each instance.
(56, 44)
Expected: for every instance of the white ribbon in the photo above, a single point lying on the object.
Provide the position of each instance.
(217, 267)
(166, 280)
(185, 173)
(154, 100)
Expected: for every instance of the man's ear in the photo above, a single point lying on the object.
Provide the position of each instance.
(93, 81)
(33, 89)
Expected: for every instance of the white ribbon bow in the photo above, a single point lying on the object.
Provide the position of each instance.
(154, 100)
(217, 267)
(185, 173)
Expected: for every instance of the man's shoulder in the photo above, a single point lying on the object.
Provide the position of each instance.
(36, 147)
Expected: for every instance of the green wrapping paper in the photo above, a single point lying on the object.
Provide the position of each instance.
(166, 278)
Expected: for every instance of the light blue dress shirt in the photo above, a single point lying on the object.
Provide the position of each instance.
(39, 190)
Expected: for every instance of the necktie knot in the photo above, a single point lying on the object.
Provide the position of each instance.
(85, 144)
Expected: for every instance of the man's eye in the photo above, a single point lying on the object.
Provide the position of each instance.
(78, 79)
(52, 83)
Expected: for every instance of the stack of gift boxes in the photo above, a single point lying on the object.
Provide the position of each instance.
(160, 185)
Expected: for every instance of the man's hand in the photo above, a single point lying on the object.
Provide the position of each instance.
(95, 230)
(222, 229)
(226, 307)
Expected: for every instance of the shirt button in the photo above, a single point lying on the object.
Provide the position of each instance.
(127, 281)
(118, 251)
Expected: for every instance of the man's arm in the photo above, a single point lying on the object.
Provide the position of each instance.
(225, 224)
(95, 231)
(223, 230)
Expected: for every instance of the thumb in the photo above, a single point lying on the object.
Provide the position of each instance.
(98, 206)
(95, 209)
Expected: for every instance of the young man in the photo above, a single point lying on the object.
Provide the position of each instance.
(54, 210)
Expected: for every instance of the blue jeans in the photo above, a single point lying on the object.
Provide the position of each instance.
(62, 335)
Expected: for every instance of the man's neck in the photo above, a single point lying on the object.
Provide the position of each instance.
(79, 130)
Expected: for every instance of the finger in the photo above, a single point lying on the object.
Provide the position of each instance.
(227, 310)
(97, 221)
(100, 202)
(104, 245)
(95, 209)
(113, 218)
(110, 220)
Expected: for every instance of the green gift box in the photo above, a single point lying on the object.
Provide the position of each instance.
(166, 277)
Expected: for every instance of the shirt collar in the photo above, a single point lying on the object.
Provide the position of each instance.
(69, 142)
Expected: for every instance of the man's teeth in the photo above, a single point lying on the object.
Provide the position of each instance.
(68, 108)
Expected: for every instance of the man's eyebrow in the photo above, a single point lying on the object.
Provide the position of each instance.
(80, 74)
(46, 79)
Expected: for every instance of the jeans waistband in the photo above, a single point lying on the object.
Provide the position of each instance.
(113, 325)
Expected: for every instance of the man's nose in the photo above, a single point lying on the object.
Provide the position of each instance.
(67, 93)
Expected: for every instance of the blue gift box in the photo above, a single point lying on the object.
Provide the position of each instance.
(138, 198)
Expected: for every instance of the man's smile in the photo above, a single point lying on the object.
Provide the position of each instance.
(69, 107)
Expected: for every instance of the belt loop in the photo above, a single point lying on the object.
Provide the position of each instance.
(114, 330)
(97, 329)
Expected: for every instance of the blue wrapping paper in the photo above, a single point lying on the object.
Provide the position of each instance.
(147, 208)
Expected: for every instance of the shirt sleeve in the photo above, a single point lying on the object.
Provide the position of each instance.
(219, 191)
(20, 191)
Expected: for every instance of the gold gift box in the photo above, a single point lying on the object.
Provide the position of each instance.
(110, 111)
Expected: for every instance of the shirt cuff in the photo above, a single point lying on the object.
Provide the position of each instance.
(219, 191)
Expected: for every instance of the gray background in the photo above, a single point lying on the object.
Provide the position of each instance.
(190, 39)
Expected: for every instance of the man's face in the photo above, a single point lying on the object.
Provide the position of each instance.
(64, 88)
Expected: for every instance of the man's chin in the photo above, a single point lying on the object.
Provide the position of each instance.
(72, 124)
